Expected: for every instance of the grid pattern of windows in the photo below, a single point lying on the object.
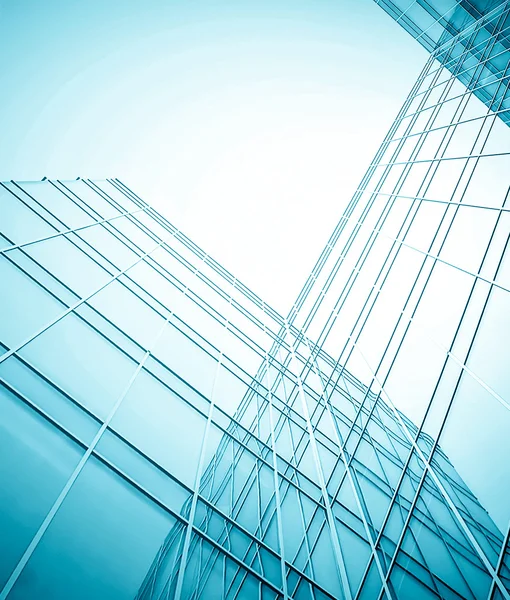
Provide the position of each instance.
(167, 434)
(144, 438)
(410, 294)
(462, 29)
(126, 351)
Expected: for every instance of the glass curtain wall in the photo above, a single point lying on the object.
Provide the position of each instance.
(437, 23)
(126, 351)
(410, 294)
(166, 434)
(146, 461)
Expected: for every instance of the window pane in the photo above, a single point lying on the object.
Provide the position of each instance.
(161, 425)
(82, 362)
(99, 545)
(36, 460)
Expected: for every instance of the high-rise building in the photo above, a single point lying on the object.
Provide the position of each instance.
(457, 31)
(167, 434)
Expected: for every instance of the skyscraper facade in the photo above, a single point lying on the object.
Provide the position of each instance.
(167, 434)
(461, 28)
(410, 293)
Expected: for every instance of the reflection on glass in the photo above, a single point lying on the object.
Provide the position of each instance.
(356, 449)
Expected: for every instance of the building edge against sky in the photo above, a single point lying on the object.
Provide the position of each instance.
(405, 252)
(371, 423)
(422, 250)
(436, 24)
(131, 403)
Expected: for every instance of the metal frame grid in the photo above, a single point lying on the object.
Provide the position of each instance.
(437, 25)
(278, 428)
(375, 213)
(297, 475)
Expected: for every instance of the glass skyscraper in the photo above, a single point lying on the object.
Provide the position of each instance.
(166, 434)
(457, 32)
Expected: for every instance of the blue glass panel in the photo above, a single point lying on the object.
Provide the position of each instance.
(118, 303)
(100, 543)
(45, 395)
(27, 307)
(71, 265)
(324, 565)
(104, 239)
(142, 470)
(20, 223)
(476, 441)
(162, 425)
(36, 460)
(187, 359)
(81, 362)
(409, 586)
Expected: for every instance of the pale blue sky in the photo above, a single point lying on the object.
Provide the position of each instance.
(248, 124)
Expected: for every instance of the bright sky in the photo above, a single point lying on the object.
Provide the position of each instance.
(247, 124)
